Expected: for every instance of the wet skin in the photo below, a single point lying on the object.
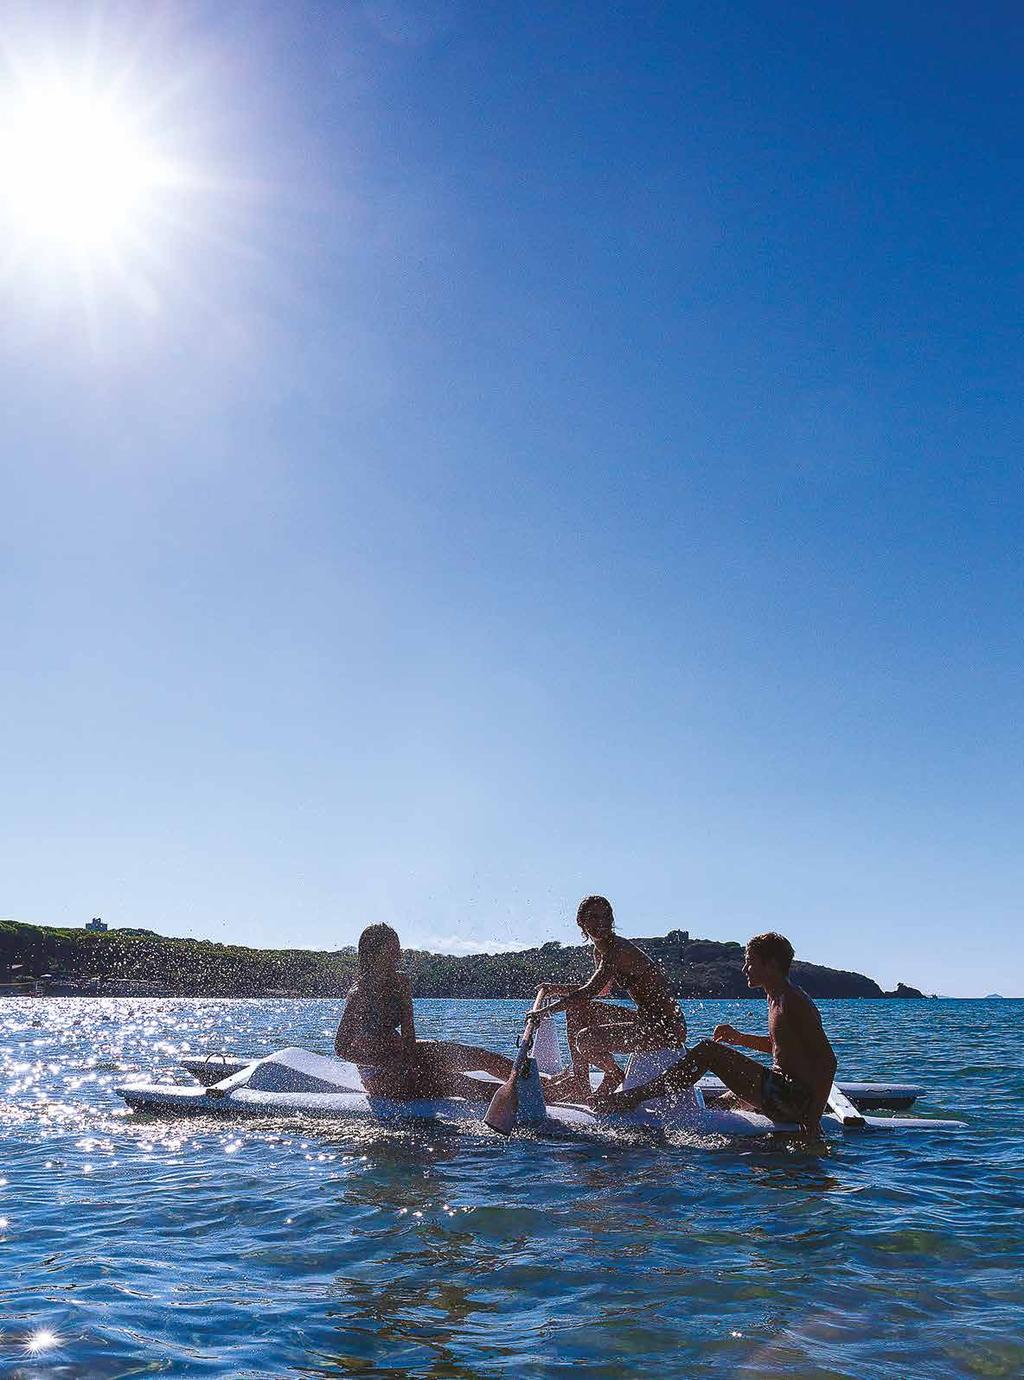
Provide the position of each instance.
(396, 1064)
(598, 1030)
(795, 1040)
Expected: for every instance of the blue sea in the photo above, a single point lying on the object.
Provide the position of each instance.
(131, 1246)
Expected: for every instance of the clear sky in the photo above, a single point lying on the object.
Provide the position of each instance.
(466, 455)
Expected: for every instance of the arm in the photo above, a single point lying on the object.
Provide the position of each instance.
(804, 1052)
(595, 986)
(729, 1035)
(821, 1088)
(346, 1042)
(408, 1026)
(821, 1065)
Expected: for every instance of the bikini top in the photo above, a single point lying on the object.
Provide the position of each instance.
(380, 1013)
(648, 989)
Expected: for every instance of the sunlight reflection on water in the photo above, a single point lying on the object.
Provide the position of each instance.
(200, 1247)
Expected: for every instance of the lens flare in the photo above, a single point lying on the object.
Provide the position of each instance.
(75, 171)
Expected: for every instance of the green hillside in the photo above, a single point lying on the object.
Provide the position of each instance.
(119, 959)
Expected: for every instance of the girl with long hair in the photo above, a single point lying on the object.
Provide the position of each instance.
(599, 1030)
(377, 1032)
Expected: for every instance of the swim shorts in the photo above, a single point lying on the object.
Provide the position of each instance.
(784, 1098)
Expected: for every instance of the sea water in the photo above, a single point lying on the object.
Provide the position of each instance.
(136, 1246)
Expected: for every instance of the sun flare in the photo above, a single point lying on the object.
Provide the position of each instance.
(76, 172)
(43, 1340)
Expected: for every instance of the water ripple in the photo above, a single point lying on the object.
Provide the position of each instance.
(205, 1248)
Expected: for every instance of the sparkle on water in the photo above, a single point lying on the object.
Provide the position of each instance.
(204, 1247)
(43, 1340)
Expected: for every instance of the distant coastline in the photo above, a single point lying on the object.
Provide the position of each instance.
(134, 962)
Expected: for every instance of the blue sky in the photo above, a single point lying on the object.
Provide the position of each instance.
(530, 450)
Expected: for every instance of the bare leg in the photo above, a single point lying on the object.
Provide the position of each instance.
(596, 1043)
(628, 1033)
(580, 1016)
(471, 1059)
(443, 1065)
(437, 1068)
(574, 1084)
(589, 1028)
(740, 1075)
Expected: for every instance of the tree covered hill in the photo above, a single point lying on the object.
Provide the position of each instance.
(123, 959)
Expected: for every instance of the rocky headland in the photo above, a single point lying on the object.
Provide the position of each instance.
(132, 962)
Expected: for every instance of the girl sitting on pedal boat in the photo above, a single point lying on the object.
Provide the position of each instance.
(598, 1030)
(378, 1034)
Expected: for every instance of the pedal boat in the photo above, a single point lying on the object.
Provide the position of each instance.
(298, 1083)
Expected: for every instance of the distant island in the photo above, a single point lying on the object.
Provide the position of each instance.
(135, 962)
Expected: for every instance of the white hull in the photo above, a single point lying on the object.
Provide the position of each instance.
(295, 1083)
(866, 1097)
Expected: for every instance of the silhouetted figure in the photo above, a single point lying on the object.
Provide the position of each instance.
(598, 1030)
(796, 1087)
(377, 1032)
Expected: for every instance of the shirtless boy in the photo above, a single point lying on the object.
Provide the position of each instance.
(796, 1087)
(598, 1030)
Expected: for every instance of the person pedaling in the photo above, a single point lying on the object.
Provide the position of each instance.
(598, 1030)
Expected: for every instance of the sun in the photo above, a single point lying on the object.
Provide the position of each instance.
(76, 171)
